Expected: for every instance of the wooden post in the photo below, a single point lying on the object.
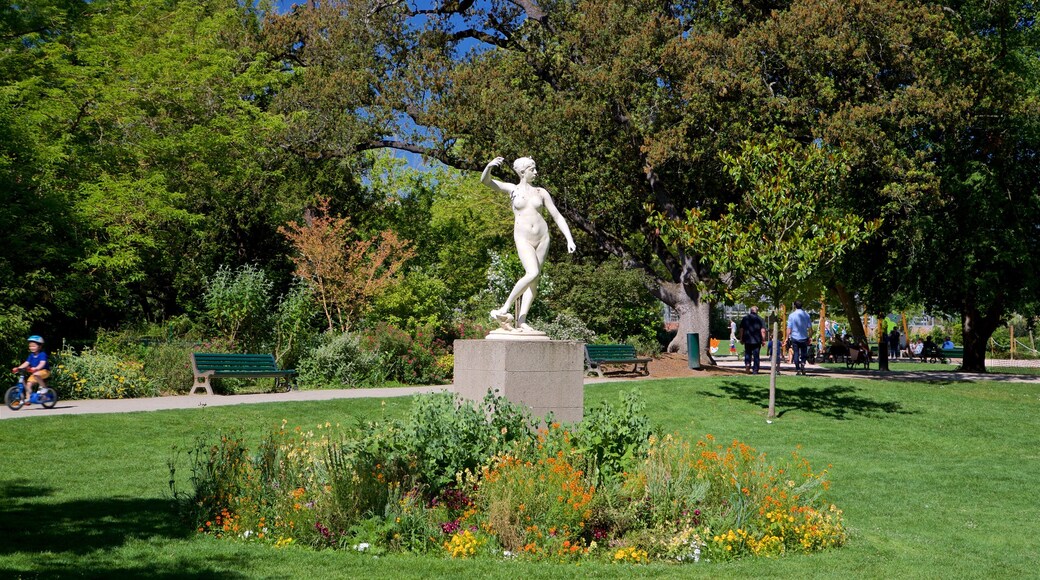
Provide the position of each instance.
(1011, 327)
(773, 370)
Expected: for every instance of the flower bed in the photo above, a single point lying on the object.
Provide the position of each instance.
(481, 482)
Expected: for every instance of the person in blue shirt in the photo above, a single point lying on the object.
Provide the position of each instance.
(947, 344)
(798, 333)
(38, 366)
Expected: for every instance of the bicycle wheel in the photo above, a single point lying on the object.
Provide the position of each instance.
(13, 398)
(49, 399)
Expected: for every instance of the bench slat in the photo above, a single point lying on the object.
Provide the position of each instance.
(600, 354)
(233, 365)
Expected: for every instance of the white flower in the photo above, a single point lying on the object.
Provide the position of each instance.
(247, 533)
(361, 547)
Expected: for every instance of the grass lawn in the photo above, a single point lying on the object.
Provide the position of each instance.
(937, 480)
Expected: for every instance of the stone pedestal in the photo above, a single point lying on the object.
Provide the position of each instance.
(544, 375)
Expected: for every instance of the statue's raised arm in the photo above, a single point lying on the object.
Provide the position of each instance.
(531, 234)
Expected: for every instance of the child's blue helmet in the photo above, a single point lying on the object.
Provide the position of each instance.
(36, 338)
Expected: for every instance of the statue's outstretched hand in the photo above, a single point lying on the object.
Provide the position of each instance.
(571, 247)
(496, 162)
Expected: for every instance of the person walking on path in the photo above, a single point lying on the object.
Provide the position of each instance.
(752, 332)
(893, 343)
(798, 333)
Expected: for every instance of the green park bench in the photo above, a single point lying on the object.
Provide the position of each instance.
(597, 355)
(208, 366)
(940, 355)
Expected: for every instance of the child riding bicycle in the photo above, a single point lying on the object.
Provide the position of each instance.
(37, 364)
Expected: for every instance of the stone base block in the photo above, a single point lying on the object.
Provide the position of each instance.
(544, 375)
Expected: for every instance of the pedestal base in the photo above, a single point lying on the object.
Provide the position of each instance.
(544, 375)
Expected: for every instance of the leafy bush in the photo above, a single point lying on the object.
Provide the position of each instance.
(407, 358)
(294, 325)
(238, 304)
(97, 375)
(340, 360)
(611, 300)
(168, 366)
(645, 346)
(613, 437)
(567, 326)
(445, 436)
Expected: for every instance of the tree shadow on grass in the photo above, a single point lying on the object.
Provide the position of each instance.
(29, 522)
(835, 401)
(59, 538)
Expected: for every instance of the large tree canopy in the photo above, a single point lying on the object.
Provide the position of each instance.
(626, 105)
(144, 143)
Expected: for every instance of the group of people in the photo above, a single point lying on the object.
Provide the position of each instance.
(917, 348)
(752, 334)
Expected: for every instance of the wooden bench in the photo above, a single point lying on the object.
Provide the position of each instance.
(208, 366)
(597, 355)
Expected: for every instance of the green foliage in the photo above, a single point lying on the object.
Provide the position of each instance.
(416, 358)
(446, 436)
(238, 304)
(168, 366)
(340, 360)
(612, 437)
(566, 326)
(295, 321)
(783, 232)
(644, 347)
(612, 300)
(92, 374)
(418, 300)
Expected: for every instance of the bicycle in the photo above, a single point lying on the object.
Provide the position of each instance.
(46, 396)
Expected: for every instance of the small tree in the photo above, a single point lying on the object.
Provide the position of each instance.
(344, 272)
(783, 231)
(238, 303)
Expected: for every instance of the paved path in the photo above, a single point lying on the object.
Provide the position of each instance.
(80, 407)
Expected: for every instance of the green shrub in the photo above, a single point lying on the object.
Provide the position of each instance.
(645, 346)
(238, 304)
(445, 436)
(412, 359)
(567, 326)
(294, 325)
(338, 361)
(168, 366)
(96, 375)
(613, 437)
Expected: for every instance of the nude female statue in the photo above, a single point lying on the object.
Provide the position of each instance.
(531, 234)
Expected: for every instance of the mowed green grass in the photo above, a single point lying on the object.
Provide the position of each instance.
(937, 480)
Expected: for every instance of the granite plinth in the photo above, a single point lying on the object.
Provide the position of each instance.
(543, 375)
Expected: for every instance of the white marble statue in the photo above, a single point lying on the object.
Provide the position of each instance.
(531, 234)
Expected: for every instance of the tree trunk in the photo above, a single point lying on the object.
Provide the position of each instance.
(694, 316)
(848, 303)
(978, 328)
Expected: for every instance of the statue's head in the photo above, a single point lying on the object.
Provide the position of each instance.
(522, 164)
